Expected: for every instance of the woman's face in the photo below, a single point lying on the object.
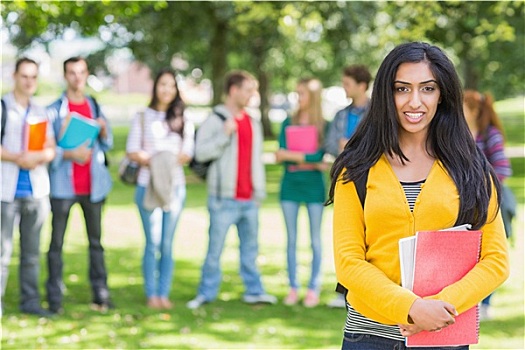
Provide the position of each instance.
(303, 97)
(166, 89)
(416, 96)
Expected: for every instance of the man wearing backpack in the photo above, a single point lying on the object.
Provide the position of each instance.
(236, 184)
(78, 175)
(25, 182)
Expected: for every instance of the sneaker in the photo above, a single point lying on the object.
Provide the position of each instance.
(56, 309)
(102, 306)
(338, 302)
(197, 302)
(311, 299)
(37, 311)
(259, 299)
(292, 298)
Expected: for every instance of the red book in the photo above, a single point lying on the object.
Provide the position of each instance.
(302, 138)
(36, 134)
(442, 258)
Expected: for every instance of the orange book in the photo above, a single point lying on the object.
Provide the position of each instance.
(36, 134)
(440, 259)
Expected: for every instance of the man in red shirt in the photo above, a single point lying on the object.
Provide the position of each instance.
(78, 175)
(236, 184)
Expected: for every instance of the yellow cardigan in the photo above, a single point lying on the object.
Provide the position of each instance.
(366, 244)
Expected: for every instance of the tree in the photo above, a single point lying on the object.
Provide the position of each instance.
(485, 38)
(282, 41)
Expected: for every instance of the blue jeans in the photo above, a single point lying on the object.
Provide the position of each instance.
(225, 212)
(315, 215)
(159, 229)
(31, 214)
(355, 341)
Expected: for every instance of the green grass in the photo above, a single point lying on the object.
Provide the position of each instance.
(227, 323)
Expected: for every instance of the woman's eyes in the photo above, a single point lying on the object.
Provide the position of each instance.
(427, 88)
(401, 89)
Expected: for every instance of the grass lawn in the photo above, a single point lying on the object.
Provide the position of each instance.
(226, 323)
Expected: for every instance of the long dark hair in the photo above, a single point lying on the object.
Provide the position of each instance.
(176, 107)
(448, 140)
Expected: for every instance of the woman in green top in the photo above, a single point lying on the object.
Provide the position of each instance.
(303, 182)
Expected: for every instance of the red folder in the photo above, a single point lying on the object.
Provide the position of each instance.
(302, 138)
(36, 134)
(442, 258)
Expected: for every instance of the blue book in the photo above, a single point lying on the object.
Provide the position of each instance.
(79, 131)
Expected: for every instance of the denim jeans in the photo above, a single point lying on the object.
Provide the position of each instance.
(355, 341)
(224, 213)
(31, 214)
(97, 268)
(159, 229)
(315, 215)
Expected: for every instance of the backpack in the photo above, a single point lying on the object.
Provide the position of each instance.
(4, 121)
(201, 168)
(360, 186)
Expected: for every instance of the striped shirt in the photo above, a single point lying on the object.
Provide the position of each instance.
(492, 146)
(357, 323)
(412, 190)
(150, 132)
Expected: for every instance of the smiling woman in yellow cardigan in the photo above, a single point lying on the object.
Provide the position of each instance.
(424, 173)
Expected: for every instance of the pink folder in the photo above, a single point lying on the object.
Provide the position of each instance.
(302, 138)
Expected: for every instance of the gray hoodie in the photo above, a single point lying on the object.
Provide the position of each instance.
(212, 143)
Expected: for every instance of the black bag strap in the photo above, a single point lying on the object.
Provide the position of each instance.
(97, 111)
(4, 121)
(360, 187)
(223, 119)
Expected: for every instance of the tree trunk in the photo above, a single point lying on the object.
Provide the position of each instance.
(470, 75)
(259, 55)
(262, 76)
(218, 54)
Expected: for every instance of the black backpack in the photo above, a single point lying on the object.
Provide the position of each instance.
(360, 186)
(4, 121)
(201, 168)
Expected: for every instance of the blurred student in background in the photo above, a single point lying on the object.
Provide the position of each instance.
(25, 183)
(236, 184)
(487, 130)
(161, 142)
(303, 182)
(356, 79)
(78, 175)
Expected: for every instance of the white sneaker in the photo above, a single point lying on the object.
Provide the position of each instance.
(259, 299)
(197, 302)
(337, 302)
